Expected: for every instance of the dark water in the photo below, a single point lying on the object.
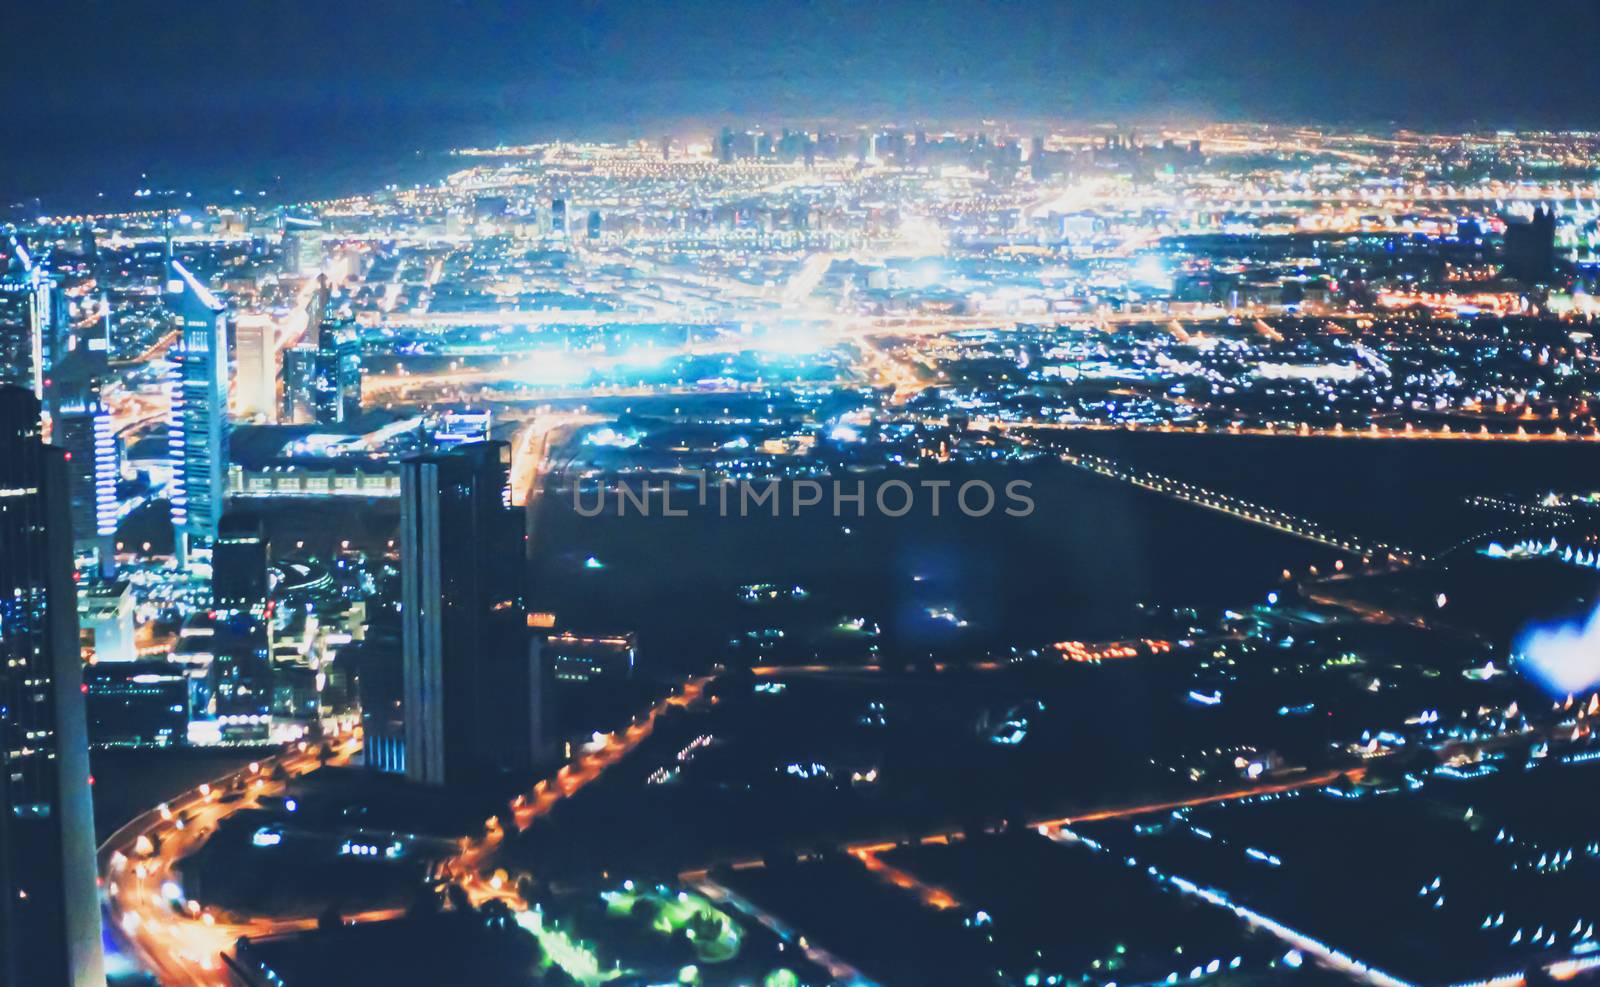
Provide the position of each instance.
(1410, 492)
(1079, 567)
(1095, 561)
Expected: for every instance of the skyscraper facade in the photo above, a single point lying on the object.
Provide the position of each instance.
(197, 438)
(302, 246)
(256, 369)
(49, 905)
(472, 688)
(378, 661)
(336, 382)
(82, 426)
(299, 370)
(18, 353)
(33, 322)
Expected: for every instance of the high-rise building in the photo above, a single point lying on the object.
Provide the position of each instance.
(17, 354)
(866, 147)
(558, 216)
(299, 369)
(256, 368)
(105, 620)
(302, 246)
(380, 671)
(49, 905)
(239, 564)
(34, 326)
(473, 687)
(197, 436)
(1531, 247)
(82, 426)
(336, 380)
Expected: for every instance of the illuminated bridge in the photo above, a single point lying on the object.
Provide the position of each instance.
(1245, 510)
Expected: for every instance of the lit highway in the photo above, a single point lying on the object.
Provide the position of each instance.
(869, 850)
(184, 943)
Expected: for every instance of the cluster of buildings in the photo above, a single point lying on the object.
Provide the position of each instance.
(49, 905)
(759, 302)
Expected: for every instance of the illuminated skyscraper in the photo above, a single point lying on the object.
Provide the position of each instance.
(197, 436)
(82, 426)
(302, 246)
(299, 369)
(17, 354)
(297, 403)
(336, 382)
(472, 688)
(381, 674)
(49, 905)
(33, 322)
(256, 364)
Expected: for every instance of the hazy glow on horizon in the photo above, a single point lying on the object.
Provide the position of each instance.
(1562, 656)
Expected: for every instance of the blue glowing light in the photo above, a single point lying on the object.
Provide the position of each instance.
(1562, 656)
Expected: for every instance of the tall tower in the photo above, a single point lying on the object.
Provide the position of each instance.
(1530, 247)
(256, 371)
(302, 246)
(472, 688)
(33, 322)
(49, 905)
(82, 427)
(336, 383)
(197, 436)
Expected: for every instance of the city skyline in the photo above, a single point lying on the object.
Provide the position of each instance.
(314, 89)
(800, 495)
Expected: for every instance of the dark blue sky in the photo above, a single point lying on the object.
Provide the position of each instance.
(109, 84)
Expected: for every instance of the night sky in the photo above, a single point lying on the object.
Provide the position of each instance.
(98, 86)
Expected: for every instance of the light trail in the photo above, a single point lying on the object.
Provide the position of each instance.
(185, 950)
